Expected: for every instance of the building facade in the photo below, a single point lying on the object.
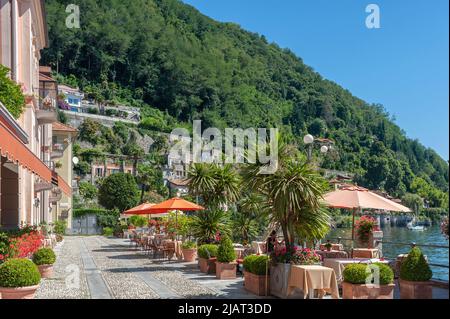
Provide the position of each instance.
(29, 183)
(72, 96)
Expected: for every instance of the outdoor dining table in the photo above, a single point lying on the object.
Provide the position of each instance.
(309, 278)
(365, 253)
(333, 247)
(332, 254)
(338, 265)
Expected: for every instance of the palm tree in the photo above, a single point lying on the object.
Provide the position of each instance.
(216, 185)
(293, 193)
(206, 224)
(244, 227)
(145, 177)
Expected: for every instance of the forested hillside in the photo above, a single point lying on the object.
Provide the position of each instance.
(180, 65)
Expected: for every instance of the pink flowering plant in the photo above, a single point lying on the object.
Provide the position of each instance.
(22, 243)
(364, 226)
(295, 255)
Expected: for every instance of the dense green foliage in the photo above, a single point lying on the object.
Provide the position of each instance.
(138, 221)
(207, 251)
(18, 273)
(118, 191)
(225, 252)
(180, 65)
(44, 256)
(188, 244)
(415, 267)
(257, 265)
(59, 227)
(10, 93)
(358, 273)
(88, 211)
(206, 224)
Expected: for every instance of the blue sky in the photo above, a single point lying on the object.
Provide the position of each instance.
(403, 65)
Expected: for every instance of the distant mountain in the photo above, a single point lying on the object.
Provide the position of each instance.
(167, 55)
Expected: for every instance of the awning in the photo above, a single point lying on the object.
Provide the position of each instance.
(14, 150)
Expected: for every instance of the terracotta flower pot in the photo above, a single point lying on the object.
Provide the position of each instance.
(226, 270)
(189, 255)
(257, 284)
(18, 293)
(46, 271)
(415, 289)
(352, 291)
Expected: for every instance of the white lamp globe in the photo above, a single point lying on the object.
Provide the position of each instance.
(324, 149)
(308, 139)
(75, 160)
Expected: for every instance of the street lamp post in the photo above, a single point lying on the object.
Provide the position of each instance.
(309, 140)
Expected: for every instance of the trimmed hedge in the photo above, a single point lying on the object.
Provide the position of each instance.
(89, 211)
(207, 251)
(256, 264)
(44, 256)
(415, 267)
(357, 273)
(18, 273)
(225, 252)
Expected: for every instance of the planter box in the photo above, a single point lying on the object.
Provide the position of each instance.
(415, 289)
(257, 284)
(279, 277)
(226, 270)
(18, 293)
(46, 271)
(189, 255)
(207, 266)
(351, 291)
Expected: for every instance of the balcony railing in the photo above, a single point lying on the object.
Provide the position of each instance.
(46, 114)
(57, 151)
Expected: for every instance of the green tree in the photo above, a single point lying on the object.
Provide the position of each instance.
(118, 191)
(88, 191)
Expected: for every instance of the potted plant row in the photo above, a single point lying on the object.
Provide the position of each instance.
(358, 281)
(207, 257)
(415, 275)
(189, 249)
(19, 279)
(226, 260)
(256, 274)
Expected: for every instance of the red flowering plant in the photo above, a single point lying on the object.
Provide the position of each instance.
(6, 249)
(364, 226)
(22, 243)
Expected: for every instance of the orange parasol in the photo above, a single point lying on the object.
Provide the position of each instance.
(142, 209)
(175, 203)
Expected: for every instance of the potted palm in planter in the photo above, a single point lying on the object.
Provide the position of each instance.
(355, 284)
(415, 275)
(207, 258)
(256, 274)
(19, 279)
(44, 258)
(226, 260)
(189, 249)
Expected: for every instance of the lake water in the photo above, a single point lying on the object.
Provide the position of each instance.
(431, 236)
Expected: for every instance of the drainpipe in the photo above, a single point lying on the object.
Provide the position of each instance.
(15, 40)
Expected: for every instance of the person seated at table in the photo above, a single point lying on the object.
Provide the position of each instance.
(271, 242)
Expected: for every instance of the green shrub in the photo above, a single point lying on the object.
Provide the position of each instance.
(256, 264)
(207, 251)
(11, 94)
(88, 211)
(44, 256)
(225, 252)
(415, 267)
(59, 227)
(189, 245)
(108, 231)
(358, 273)
(17, 273)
